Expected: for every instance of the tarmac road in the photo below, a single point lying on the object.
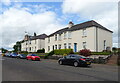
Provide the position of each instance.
(49, 70)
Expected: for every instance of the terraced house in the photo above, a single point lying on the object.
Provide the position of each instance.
(87, 35)
(33, 43)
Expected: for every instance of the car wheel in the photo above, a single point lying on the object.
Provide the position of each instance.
(60, 62)
(75, 64)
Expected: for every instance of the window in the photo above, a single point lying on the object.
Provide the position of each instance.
(65, 46)
(29, 42)
(84, 45)
(84, 32)
(69, 45)
(56, 37)
(35, 48)
(35, 41)
(48, 48)
(30, 48)
(55, 46)
(48, 40)
(59, 36)
(65, 35)
(59, 46)
(69, 34)
(26, 42)
(104, 44)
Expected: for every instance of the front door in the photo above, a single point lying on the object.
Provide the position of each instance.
(75, 47)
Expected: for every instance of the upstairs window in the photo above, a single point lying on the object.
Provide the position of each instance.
(60, 37)
(65, 34)
(84, 45)
(35, 41)
(48, 40)
(69, 34)
(29, 42)
(26, 43)
(84, 32)
(56, 37)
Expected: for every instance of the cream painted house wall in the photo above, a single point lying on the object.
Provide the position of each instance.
(34, 46)
(77, 37)
(104, 35)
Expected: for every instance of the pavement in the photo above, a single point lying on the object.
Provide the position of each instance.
(49, 70)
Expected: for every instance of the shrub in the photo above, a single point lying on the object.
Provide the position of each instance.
(85, 52)
(100, 53)
(49, 54)
(63, 51)
(41, 51)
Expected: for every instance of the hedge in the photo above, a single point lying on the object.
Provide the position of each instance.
(100, 53)
(63, 51)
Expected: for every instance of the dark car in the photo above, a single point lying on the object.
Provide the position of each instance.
(13, 55)
(33, 57)
(75, 60)
(21, 56)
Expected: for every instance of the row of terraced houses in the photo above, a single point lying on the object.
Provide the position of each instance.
(88, 35)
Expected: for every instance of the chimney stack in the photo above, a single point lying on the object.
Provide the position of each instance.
(70, 24)
(35, 34)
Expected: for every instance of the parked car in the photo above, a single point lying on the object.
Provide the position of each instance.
(33, 57)
(7, 54)
(21, 56)
(13, 55)
(75, 60)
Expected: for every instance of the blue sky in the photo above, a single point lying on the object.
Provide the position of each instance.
(47, 17)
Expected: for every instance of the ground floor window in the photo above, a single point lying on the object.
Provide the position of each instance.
(84, 45)
(65, 46)
(48, 48)
(55, 46)
(69, 45)
(59, 46)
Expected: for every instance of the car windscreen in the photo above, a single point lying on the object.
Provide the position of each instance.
(33, 55)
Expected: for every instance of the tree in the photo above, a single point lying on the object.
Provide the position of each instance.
(4, 50)
(17, 46)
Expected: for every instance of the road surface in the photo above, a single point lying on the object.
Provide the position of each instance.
(49, 70)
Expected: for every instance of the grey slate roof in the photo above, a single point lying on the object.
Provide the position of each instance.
(42, 36)
(81, 26)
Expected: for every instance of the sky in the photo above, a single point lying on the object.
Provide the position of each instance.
(18, 16)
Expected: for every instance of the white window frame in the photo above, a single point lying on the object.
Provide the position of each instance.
(84, 32)
(65, 34)
(60, 36)
(69, 45)
(59, 46)
(69, 34)
(55, 46)
(84, 45)
(65, 45)
(55, 37)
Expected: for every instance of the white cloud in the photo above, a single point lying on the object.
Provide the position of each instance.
(104, 12)
(6, 2)
(16, 21)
